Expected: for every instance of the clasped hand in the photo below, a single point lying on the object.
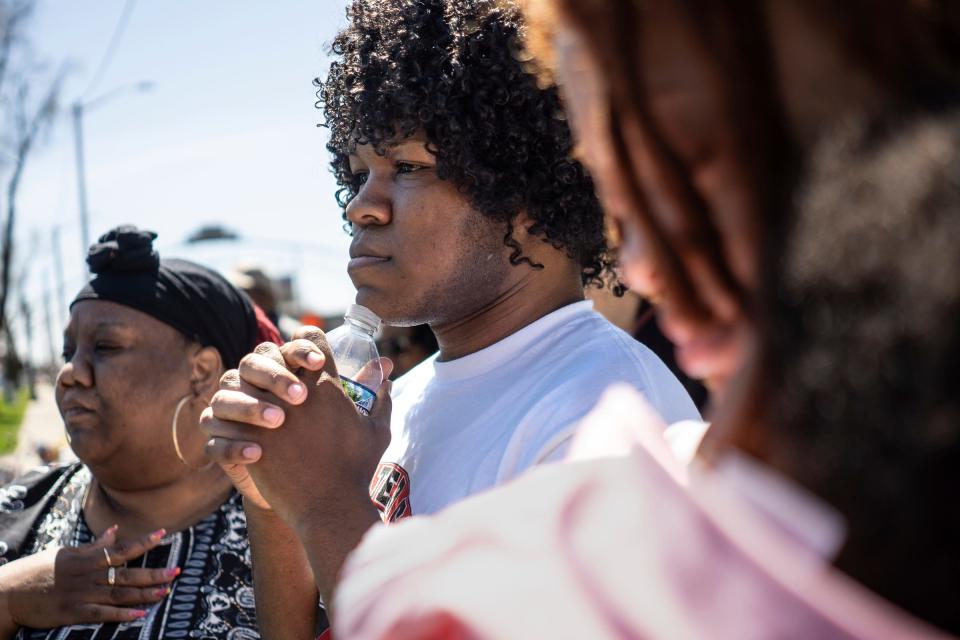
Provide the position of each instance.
(287, 435)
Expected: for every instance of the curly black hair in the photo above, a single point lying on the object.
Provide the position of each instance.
(456, 70)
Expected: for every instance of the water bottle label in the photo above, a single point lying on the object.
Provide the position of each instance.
(362, 396)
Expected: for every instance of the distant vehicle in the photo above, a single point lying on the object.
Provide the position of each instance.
(212, 232)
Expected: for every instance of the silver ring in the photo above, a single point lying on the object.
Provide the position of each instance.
(112, 576)
(106, 554)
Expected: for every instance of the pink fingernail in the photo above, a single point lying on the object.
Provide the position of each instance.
(138, 613)
(272, 415)
(296, 391)
(314, 359)
(158, 534)
(251, 453)
(172, 573)
(161, 592)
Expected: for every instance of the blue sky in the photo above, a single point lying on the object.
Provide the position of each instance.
(227, 135)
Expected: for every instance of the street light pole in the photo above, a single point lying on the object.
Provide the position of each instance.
(81, 180)
(78, 110)
(61, 309)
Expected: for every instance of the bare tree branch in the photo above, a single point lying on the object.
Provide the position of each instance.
(31, 127)
(13, 15)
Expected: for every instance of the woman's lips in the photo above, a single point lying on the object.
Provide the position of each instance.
(365, 261)
(703, 352)
(74, 416)
(704, 360)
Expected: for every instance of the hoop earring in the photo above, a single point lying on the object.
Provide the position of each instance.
(176, 443)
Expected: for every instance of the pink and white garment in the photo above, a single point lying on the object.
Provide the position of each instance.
(633, 546)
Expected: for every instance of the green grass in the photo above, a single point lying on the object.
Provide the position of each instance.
(11, 415)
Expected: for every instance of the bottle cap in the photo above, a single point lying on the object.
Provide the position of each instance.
(363, 315)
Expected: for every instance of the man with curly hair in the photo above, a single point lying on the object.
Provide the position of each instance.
(467, 213)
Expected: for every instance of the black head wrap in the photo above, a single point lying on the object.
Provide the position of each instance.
(192, 299)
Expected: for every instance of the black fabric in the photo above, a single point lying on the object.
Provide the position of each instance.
(196, 301)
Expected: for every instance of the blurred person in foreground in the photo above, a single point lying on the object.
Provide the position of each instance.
(835, 440)
(469, 214)
(144, 537)
(637, 316)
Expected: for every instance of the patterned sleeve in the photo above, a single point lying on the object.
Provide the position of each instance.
(22, 503)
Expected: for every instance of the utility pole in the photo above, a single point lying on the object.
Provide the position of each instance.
(81, 179)
(58, 274)
(79, 108)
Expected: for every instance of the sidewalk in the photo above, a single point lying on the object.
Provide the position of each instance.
(42, 426)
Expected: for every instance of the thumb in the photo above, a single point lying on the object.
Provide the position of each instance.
(375, 372)
(106, 538)
(243, 482)
(386, 364)
(382, 406)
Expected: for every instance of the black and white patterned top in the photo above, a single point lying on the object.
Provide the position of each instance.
(212, 598)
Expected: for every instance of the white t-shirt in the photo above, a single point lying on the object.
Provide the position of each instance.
(466, 425)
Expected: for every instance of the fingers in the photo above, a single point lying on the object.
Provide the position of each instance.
(269, 350)
(225, 452)
(383, 405)
(265, 373)
(127, 550)
(229, 442)
(236, 406)
(380, 416)
(319, 339)
(230, 380)
(127, 577)
(91, 613)
(131, 596)
(303, 353)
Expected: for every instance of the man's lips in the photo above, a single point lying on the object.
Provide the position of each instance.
(365, 261)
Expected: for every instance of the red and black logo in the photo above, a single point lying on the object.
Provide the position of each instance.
(390, 491)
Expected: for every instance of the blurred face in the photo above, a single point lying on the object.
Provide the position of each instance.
(687, 110)
(397, 343)
(420, 252)
(123, 375)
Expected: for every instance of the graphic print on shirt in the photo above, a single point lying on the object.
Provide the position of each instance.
(390, 491)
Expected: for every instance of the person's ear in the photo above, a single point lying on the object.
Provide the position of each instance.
(521, 228)
(207, 369)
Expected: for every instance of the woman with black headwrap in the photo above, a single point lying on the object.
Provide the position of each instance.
(142, 538)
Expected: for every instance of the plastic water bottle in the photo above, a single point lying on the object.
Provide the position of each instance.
(355, 353)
